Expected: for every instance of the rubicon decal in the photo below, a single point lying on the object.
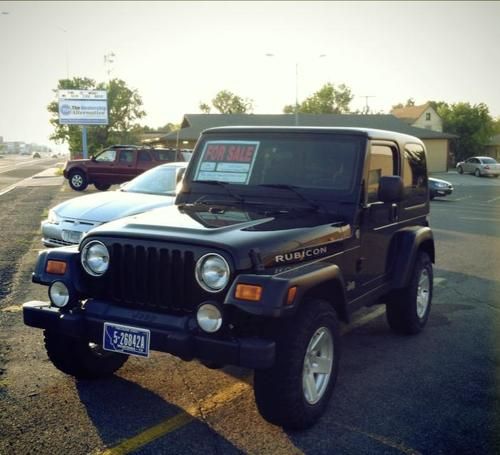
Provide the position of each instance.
(338, 234)
(300, 255)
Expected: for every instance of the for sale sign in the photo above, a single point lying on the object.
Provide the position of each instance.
(83, 107)
(227, 161)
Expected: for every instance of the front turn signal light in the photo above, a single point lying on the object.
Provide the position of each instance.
(248, 292)
(56, 267)
(292, 292)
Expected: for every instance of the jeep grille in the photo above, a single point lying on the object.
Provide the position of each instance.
(151, 277)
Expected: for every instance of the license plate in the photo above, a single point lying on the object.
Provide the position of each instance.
(125, 339)
(72, 236)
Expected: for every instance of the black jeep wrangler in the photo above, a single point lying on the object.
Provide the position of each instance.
(277, 233)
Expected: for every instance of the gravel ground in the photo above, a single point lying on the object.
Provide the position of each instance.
(21, 211)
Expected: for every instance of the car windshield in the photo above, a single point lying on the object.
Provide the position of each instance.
(159, 180)
(300, 160)
(488, 161)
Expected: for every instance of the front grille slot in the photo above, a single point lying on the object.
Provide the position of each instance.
(151, 277)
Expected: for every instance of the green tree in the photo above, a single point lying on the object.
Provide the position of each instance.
(167, 128)
(327, 100)
(410, 102)
(496, 126)
(124, 110)
(227, 102)
(472, 124)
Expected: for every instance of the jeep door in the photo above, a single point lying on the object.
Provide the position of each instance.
(379, 219)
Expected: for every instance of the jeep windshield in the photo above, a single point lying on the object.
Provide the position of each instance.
(260, 166)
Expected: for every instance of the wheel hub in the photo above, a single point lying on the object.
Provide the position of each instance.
(423, 293)
(318, 363)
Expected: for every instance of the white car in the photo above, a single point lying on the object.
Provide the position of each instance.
(69, 221)
(479, 166)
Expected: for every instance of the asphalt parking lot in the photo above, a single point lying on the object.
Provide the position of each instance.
(436, 393)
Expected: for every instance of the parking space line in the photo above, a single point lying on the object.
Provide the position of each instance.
(470, 218)
(493, 200)
(382, 439)
(209, 405)
(179, 420)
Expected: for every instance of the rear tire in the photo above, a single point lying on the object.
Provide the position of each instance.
(294, 393)
(477, 173)
(408, 309)
(78, 180)
(102, 186)
(79, 358)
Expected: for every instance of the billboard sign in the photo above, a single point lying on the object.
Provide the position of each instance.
(83, 107)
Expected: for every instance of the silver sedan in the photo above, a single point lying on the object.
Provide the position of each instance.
(479, 166)
(69, 221)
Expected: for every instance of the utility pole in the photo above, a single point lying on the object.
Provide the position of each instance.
(367, 107)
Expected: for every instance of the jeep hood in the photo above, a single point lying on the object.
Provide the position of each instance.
(237, 230)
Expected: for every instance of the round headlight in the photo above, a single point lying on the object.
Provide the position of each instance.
(209, 318)
(212, 272)
(58, 294)
(95, 258)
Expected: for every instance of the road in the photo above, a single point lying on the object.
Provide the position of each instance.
(435, 393)
(18, 170)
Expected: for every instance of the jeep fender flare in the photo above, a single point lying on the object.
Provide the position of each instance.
(403, 252)
(71, 276)
(318, 279)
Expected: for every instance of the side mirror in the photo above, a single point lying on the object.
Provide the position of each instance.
(390, 189)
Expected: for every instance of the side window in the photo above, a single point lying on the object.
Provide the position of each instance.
(164, 155)
(383, 162)
(127, 156)
(144, 156)
(415, 174)
(106, 156)
(427, 116)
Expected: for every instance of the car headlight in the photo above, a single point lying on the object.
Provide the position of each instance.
(53, 217)
(212, 272)
(95, 258)
(209, 317)
(59, 294)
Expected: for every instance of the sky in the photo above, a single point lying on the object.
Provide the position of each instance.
(179, 54)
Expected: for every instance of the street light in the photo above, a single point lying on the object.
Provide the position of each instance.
(296, 86)
(108, 60)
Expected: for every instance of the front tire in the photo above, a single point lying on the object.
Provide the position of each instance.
(460, 170)
(477, 173)
(408, 309)
(102, 186)
(294, 393)
(79, 358)
(78, 180)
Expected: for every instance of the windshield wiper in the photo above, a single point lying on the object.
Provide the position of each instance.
(224, 185)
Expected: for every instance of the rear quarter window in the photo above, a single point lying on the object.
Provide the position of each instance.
(415, 174)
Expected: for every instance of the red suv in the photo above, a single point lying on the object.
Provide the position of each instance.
(117, 164)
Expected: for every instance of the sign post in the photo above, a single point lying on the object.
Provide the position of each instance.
(83, 107)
